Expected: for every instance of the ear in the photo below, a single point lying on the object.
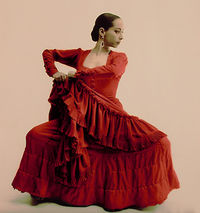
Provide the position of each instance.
(101, 31)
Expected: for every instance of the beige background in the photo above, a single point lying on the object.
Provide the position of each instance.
(160, 85)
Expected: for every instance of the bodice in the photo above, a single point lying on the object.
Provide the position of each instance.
(103, 81)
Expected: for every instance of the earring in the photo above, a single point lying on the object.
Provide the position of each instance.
(102, 43)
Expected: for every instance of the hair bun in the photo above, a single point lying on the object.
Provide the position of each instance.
(104, 20)
(95, 33)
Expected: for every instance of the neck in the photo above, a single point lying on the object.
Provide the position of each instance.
(98, 49)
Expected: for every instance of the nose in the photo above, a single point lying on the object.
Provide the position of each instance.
(121, 36)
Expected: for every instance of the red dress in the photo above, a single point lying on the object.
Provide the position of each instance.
(91, 151)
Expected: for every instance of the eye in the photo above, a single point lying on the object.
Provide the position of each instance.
(117, 31)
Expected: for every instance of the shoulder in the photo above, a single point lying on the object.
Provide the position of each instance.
(119, 55)
(62, 51)
(77, 50)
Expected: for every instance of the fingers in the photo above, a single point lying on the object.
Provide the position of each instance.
(60, 77)
(71, 74)
(63, 77)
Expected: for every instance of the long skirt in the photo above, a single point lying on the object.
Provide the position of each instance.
(117, 180)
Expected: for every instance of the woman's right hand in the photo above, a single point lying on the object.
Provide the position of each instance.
(59, 76)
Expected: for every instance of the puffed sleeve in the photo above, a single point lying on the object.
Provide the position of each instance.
(117, 66)
(69, 57)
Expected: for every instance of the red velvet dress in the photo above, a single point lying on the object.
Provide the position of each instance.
(91, 151)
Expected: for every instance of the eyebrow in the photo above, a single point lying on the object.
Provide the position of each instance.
(118, 28)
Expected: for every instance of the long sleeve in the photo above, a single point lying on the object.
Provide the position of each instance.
(117, 66)
(69, 57)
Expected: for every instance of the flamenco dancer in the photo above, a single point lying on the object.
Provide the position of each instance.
(91, 151)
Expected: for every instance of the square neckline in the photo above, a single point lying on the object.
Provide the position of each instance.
(87, 53)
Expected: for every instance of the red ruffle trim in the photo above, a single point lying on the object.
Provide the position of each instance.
(86, 117)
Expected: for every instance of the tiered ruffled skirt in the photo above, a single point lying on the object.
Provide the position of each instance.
(92, 152)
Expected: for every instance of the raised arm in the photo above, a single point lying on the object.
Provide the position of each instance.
(68, 57)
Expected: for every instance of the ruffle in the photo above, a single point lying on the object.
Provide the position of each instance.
(117, 181)
(86, 117)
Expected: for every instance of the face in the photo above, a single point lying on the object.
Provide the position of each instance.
(114, 35)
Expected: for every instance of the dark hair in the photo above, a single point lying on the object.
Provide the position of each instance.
(104, 20)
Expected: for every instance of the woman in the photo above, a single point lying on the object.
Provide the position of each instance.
(91, 151)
